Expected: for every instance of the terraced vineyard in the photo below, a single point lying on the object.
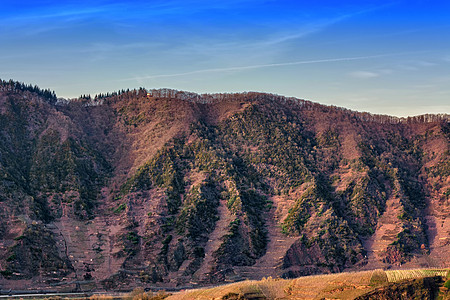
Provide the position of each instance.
(398, 275)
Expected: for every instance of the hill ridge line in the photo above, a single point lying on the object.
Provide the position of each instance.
(308, 105)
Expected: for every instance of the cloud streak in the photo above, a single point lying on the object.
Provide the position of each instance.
(364, 74)
(66, 13)
(142, 9)
(252, 67)
(318, 26)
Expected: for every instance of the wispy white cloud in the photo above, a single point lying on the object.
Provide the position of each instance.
(110, 47)
(231, 47)
(322, 24)
(115, 10)
(415, 65)
(364, 74)
(260, 66)
(269, 45)
(67, 13)
(423, 63)
(189, 6)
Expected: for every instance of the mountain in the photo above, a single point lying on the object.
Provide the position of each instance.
(169, 188)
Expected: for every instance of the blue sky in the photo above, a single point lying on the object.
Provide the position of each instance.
(377, 56)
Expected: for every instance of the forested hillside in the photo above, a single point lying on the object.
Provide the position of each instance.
(162, 187)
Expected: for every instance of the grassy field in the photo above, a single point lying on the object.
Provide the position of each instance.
(333, 286)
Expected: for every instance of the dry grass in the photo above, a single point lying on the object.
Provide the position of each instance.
(136, 294)
(378, 277)
(308, 287)
(347, 285)
(101, 297)
(240, 288)
(339, 286)
(140, 294)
